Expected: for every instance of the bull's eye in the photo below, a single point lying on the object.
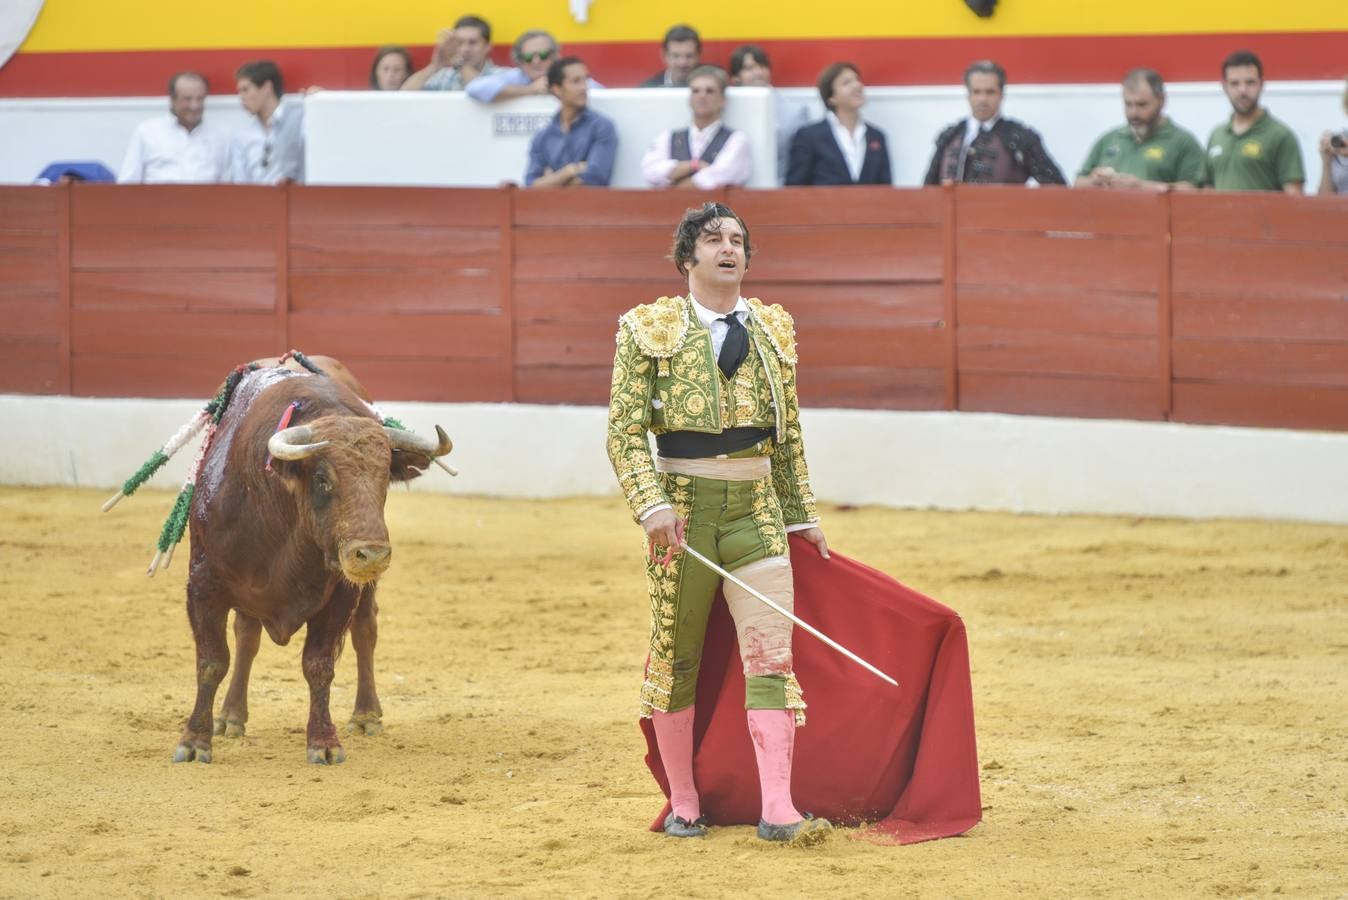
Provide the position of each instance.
(321, 482)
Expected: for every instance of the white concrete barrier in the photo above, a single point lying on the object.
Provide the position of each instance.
(901, 459)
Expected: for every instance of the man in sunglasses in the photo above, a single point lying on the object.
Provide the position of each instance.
(533, 52)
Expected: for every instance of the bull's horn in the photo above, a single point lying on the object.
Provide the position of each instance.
(294, 443)
(406, 440)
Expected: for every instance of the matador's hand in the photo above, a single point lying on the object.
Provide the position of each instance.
(815, 536)
(664, 529)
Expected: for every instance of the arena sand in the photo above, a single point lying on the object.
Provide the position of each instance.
(1162, 710)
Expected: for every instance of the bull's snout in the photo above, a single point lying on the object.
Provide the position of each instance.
(365, 561)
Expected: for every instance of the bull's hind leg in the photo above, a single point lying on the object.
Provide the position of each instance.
(233, 717)
(208, 628)
(321, 645)
(364, 634)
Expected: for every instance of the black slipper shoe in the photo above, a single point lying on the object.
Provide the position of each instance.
(677, 826)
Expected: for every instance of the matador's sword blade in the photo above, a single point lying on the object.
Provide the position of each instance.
(778, 609)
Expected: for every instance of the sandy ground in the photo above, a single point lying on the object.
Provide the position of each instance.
(1162, 710)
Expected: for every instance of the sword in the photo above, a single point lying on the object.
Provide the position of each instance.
(778, 609)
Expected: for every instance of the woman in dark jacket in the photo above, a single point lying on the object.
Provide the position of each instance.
(842, 148)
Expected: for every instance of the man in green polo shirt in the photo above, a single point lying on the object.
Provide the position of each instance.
(1253, 151)
(1150, 152)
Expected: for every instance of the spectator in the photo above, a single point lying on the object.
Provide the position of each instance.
(533, 54)
(709, 154)
(681, 51)
(578, 145)
(392, 67)
(986, 148)
(750, 67)
(1150, 153)
(460, 55)
(1334, 157)
(179, 148)
(270, 148)
(1253, 151)
(841, 148)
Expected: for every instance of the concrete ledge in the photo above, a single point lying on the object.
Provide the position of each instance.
(902, 459)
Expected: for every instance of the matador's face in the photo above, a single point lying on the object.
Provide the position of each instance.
(718, 255)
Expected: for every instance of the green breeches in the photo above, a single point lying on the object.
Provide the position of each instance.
(738, 524)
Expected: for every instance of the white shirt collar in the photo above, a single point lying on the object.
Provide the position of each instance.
(707, 132)
(708, 316)
(972, 127)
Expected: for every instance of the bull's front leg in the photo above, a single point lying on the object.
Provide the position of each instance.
(233, 717)
(367, 716)
(324, 636)
(208, 621)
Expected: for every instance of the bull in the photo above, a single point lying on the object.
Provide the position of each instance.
(287, 529)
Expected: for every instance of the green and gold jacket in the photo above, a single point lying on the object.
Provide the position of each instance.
(665, 378)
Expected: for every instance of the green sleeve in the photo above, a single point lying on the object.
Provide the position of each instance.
(790, 475)
(1092, 158)
(1288, 160)
(629, 420)
(1192, 163)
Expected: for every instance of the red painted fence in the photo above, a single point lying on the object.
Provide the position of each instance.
(1196, 307)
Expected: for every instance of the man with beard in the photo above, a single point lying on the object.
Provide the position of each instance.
(986, 147)
(1149, 153)
(1253, 151)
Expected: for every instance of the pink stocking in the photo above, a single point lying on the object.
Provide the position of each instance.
(774, 735)
(674, 737)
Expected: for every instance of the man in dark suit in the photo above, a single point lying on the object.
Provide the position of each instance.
(842, 148)
(682, 52)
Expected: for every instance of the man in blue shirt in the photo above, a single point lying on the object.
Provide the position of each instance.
(578, 145)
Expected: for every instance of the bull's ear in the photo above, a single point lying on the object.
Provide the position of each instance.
(406, 465)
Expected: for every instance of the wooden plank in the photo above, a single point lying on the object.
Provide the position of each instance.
(391, 206)
(193, 376)
(1309, 363)
(1046, 395)
(1054, 353)
(1261, 317)
(1263, 406)
(1207, 216)
(950, 300)
(18, 244)
(31, 315)
(637, 252)
(431, 336)
(224, 206)
(1165, 299)
(845, 253)
(505, 230)
(879, 304)
(593, 301)
(584, 385)
(64, 305)
(198, 248)
(873, 347)
(28, 208)
(238, 336)
(434, 380)
(23, 273)
(870, 387)
(820, 206)
(410, 291)
(348, 247)
(1058, 261)
(1014, 307)
(153, 292)
(31, 365)
(1055, 210)
(1260, 268)
(589, 211)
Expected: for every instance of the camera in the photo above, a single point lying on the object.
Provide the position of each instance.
(1337, 142)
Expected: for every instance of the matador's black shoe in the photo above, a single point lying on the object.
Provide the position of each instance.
(677, 826)
(807, 831)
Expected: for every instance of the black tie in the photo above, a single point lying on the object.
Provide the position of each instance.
(736, 347)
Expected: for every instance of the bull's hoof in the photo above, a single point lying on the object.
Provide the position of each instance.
(327, 756)
(229, 728)
(188, 753)
(367, 724)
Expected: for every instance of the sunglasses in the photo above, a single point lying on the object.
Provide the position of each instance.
(536, 57)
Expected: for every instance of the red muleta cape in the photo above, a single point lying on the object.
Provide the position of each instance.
(903, 759)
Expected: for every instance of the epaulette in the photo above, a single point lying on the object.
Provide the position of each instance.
(658, 327)
(778, 325)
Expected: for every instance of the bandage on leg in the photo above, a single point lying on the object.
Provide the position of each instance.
(764, 635)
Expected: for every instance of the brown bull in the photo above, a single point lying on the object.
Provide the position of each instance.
(301, 541)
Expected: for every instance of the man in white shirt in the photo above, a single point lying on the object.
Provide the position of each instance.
(270, 148)
(179, 148)
(706, 156)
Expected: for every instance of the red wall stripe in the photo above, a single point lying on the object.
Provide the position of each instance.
(894, 61)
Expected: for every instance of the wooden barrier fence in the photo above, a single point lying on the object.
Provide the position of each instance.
(1194, 307)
